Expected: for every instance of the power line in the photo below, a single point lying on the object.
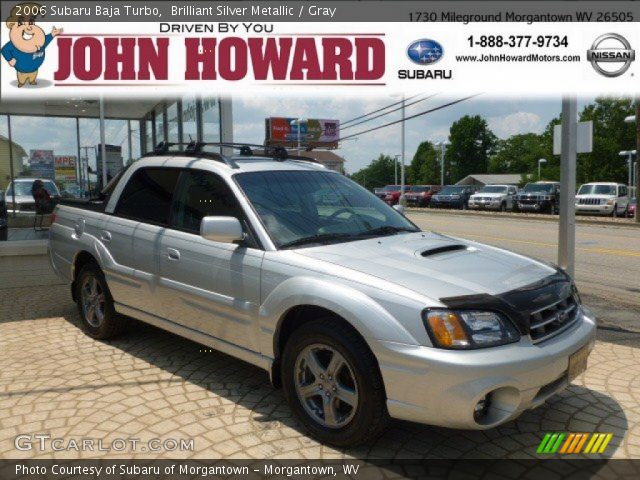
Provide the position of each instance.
(440, 107)
(390, 111)
(379, 110)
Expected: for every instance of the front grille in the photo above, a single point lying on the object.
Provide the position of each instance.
(590, 201)
(554, 319)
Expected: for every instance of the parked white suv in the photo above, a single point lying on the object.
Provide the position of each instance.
(494, 197)
(603, 198)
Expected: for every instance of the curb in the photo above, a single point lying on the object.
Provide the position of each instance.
(539, 216)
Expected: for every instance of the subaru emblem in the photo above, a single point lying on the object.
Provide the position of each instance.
(425, 52)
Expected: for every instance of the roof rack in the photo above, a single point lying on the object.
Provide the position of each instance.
(194, 148)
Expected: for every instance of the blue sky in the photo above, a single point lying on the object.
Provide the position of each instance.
(506, 116)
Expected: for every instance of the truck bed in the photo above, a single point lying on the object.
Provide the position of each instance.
(93, 205)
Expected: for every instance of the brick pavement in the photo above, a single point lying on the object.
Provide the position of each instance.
(152, 384)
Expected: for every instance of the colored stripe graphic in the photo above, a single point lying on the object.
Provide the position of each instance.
(574, 442)
(551, 442)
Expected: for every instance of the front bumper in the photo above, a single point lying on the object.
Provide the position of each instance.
(595, 209)
(442, 387)
(485, 205)
(456, 204)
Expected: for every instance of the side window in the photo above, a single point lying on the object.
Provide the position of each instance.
(147, 195)
(622, 191)
(202, 194)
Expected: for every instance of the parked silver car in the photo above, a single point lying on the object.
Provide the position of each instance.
(24, 201)
(353, 310)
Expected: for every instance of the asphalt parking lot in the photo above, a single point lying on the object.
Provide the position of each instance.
(607, 254)
(151, 384)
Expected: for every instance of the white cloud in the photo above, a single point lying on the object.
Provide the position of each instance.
(515, 123)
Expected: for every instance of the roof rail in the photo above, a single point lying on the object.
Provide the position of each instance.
(194, 148)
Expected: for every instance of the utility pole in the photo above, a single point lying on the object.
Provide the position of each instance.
(402, 200)
(637, 153)
(567, 221)
(103, 146)
(395, 169)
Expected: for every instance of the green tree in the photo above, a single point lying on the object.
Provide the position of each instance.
(378, 173)
(520, 154)
(610, 136)
(425, 166)
(472, 143)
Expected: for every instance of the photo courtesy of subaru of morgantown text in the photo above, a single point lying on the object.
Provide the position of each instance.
(304, 240)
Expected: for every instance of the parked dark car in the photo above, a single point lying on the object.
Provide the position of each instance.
(542, 197)
(420, 195)
(633, 206)
(453, 196)
(4, 227)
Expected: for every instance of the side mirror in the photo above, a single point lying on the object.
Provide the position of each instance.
(399, 209)
(221, 229)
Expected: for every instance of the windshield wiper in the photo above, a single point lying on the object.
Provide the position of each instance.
(320, 238)
(386, 230)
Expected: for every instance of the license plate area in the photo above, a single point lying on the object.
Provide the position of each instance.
(578, 363)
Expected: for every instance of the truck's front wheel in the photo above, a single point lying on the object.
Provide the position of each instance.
(99, 318)
(332, 383)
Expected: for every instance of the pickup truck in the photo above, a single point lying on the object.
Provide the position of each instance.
(357, 314)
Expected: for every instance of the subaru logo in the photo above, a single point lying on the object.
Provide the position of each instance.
(425, 52)
(614, 49)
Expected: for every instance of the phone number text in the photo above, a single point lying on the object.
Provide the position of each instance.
(518, 41)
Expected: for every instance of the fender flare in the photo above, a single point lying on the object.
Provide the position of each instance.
(362, 312)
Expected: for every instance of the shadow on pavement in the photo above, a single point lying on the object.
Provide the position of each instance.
(577, 409)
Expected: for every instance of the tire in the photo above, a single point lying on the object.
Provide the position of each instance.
(360, 381)
(614, 213)
(503, 207)
(100, 322)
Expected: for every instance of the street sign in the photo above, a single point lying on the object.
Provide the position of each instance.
(585, 138)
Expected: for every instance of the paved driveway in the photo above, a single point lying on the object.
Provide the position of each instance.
(150, 384)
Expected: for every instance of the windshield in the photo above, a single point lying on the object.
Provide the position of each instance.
(302, 207)
(451, 191)
(419, 189)
(538, 187)
(24, 188)
(597, 190)
(493, 189)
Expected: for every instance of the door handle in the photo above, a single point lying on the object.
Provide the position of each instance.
(105, 236)
(173, 254)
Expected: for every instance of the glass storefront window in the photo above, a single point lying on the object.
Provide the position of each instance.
(159, 121)
(173, 122)
(210, 119)
(149, 141)
(49, 150)
(189, 118)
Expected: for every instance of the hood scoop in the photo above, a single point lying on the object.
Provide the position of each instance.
(431, 252)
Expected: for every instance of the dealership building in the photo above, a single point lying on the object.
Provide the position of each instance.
(66, 139)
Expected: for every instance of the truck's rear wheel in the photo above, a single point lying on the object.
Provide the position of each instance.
(332, 383)
(99, 318)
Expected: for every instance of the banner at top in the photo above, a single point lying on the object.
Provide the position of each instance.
(43, 58)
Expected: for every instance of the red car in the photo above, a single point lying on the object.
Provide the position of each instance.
(420, 195)
(384, 192)
(393, 196)
(631, 209)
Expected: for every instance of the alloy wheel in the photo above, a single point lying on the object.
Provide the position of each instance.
(326, 385)
(93, 301)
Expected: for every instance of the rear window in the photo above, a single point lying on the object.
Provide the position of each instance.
(147, 195)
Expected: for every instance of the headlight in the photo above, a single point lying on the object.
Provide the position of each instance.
(468, 329)
(610, 201)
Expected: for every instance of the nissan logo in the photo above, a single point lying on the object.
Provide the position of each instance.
(611, 48)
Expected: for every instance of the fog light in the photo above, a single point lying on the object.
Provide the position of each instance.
(482, 407)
